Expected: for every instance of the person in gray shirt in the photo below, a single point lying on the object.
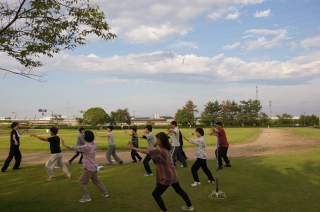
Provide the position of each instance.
(112, 147)
(80, 142)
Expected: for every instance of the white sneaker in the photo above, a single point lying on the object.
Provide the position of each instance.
(212, 182)
(196, 184)
(187, 208)
(148, 174)
(51, 179)
(184, 166)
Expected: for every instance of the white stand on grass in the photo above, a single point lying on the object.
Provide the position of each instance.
(216, 194)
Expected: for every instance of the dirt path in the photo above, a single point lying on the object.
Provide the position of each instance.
(270, 141)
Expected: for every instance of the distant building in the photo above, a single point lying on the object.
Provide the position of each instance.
(166, 117)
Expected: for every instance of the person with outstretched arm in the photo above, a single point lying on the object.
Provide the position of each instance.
(166, 172)
(150, 146)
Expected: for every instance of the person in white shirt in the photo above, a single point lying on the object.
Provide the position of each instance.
(176, 150)
(201, 156)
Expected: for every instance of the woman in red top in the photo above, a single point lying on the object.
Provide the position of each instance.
(166, 173)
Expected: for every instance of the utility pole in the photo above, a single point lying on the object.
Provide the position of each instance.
(270, 111)
(68, 110)
(304, 119)
(256, 92)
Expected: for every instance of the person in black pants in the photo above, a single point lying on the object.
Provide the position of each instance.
(201, 156)
(181, 145)
(14, 147)
(135, 143)
(80, 142)
(166, 172)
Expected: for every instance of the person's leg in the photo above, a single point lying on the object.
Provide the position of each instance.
(108, 154)
(206, 170)
(194, 169)
(180, 157)
(95, 179)
(174, 154)
(224, 151)
(138, 156)
(157, 192)
(182, 193)
(50, 164)
(146, 164)
(74, 157)
(83, 180)
(17, 157)
(133, 155)
(182, 152)
(115, 156)
(63, 166)
(81, 157)
(9, 159)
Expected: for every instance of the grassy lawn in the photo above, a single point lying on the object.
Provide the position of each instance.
(234, 135)
(310, 132)
(282, 182)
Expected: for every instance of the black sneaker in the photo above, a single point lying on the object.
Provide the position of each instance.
(133, 161)
(229, 165)
(80, 163)
(220, 167)
(16, 168)
(70, 161)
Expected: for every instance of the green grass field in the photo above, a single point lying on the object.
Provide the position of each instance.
(310, 132)
(235, 135)
(282, 182)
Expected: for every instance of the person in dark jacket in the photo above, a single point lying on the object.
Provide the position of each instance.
(14, 147)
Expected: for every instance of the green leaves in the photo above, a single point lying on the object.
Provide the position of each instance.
(96, 116)
(45, 27)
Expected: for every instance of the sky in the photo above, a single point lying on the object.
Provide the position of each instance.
(169, 52)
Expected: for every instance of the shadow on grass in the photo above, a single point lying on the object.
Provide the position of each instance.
(284, 182)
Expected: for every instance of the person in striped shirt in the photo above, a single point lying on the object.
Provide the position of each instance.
(166, 172)
(90, 166)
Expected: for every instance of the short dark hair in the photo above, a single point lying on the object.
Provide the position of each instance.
(80, 129)
(174, 123)
(88, 136)
(54, 130)
(200, 130)
(164, 141)
(219, 123)
(110, 127)
(14, 124)
(149, 127)
(134, 129)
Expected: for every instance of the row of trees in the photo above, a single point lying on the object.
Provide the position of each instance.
(97, 116)
(231, 113)
(287, 119)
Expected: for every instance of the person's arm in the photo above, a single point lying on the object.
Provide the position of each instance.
(128, 133)
(102, 136)
(14, 139)
(22, 131)
(171, 131)
(39, 137)
(76, 148)
(198, 141)
(144, 151)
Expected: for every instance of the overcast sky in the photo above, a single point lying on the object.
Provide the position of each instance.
(169, 52)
